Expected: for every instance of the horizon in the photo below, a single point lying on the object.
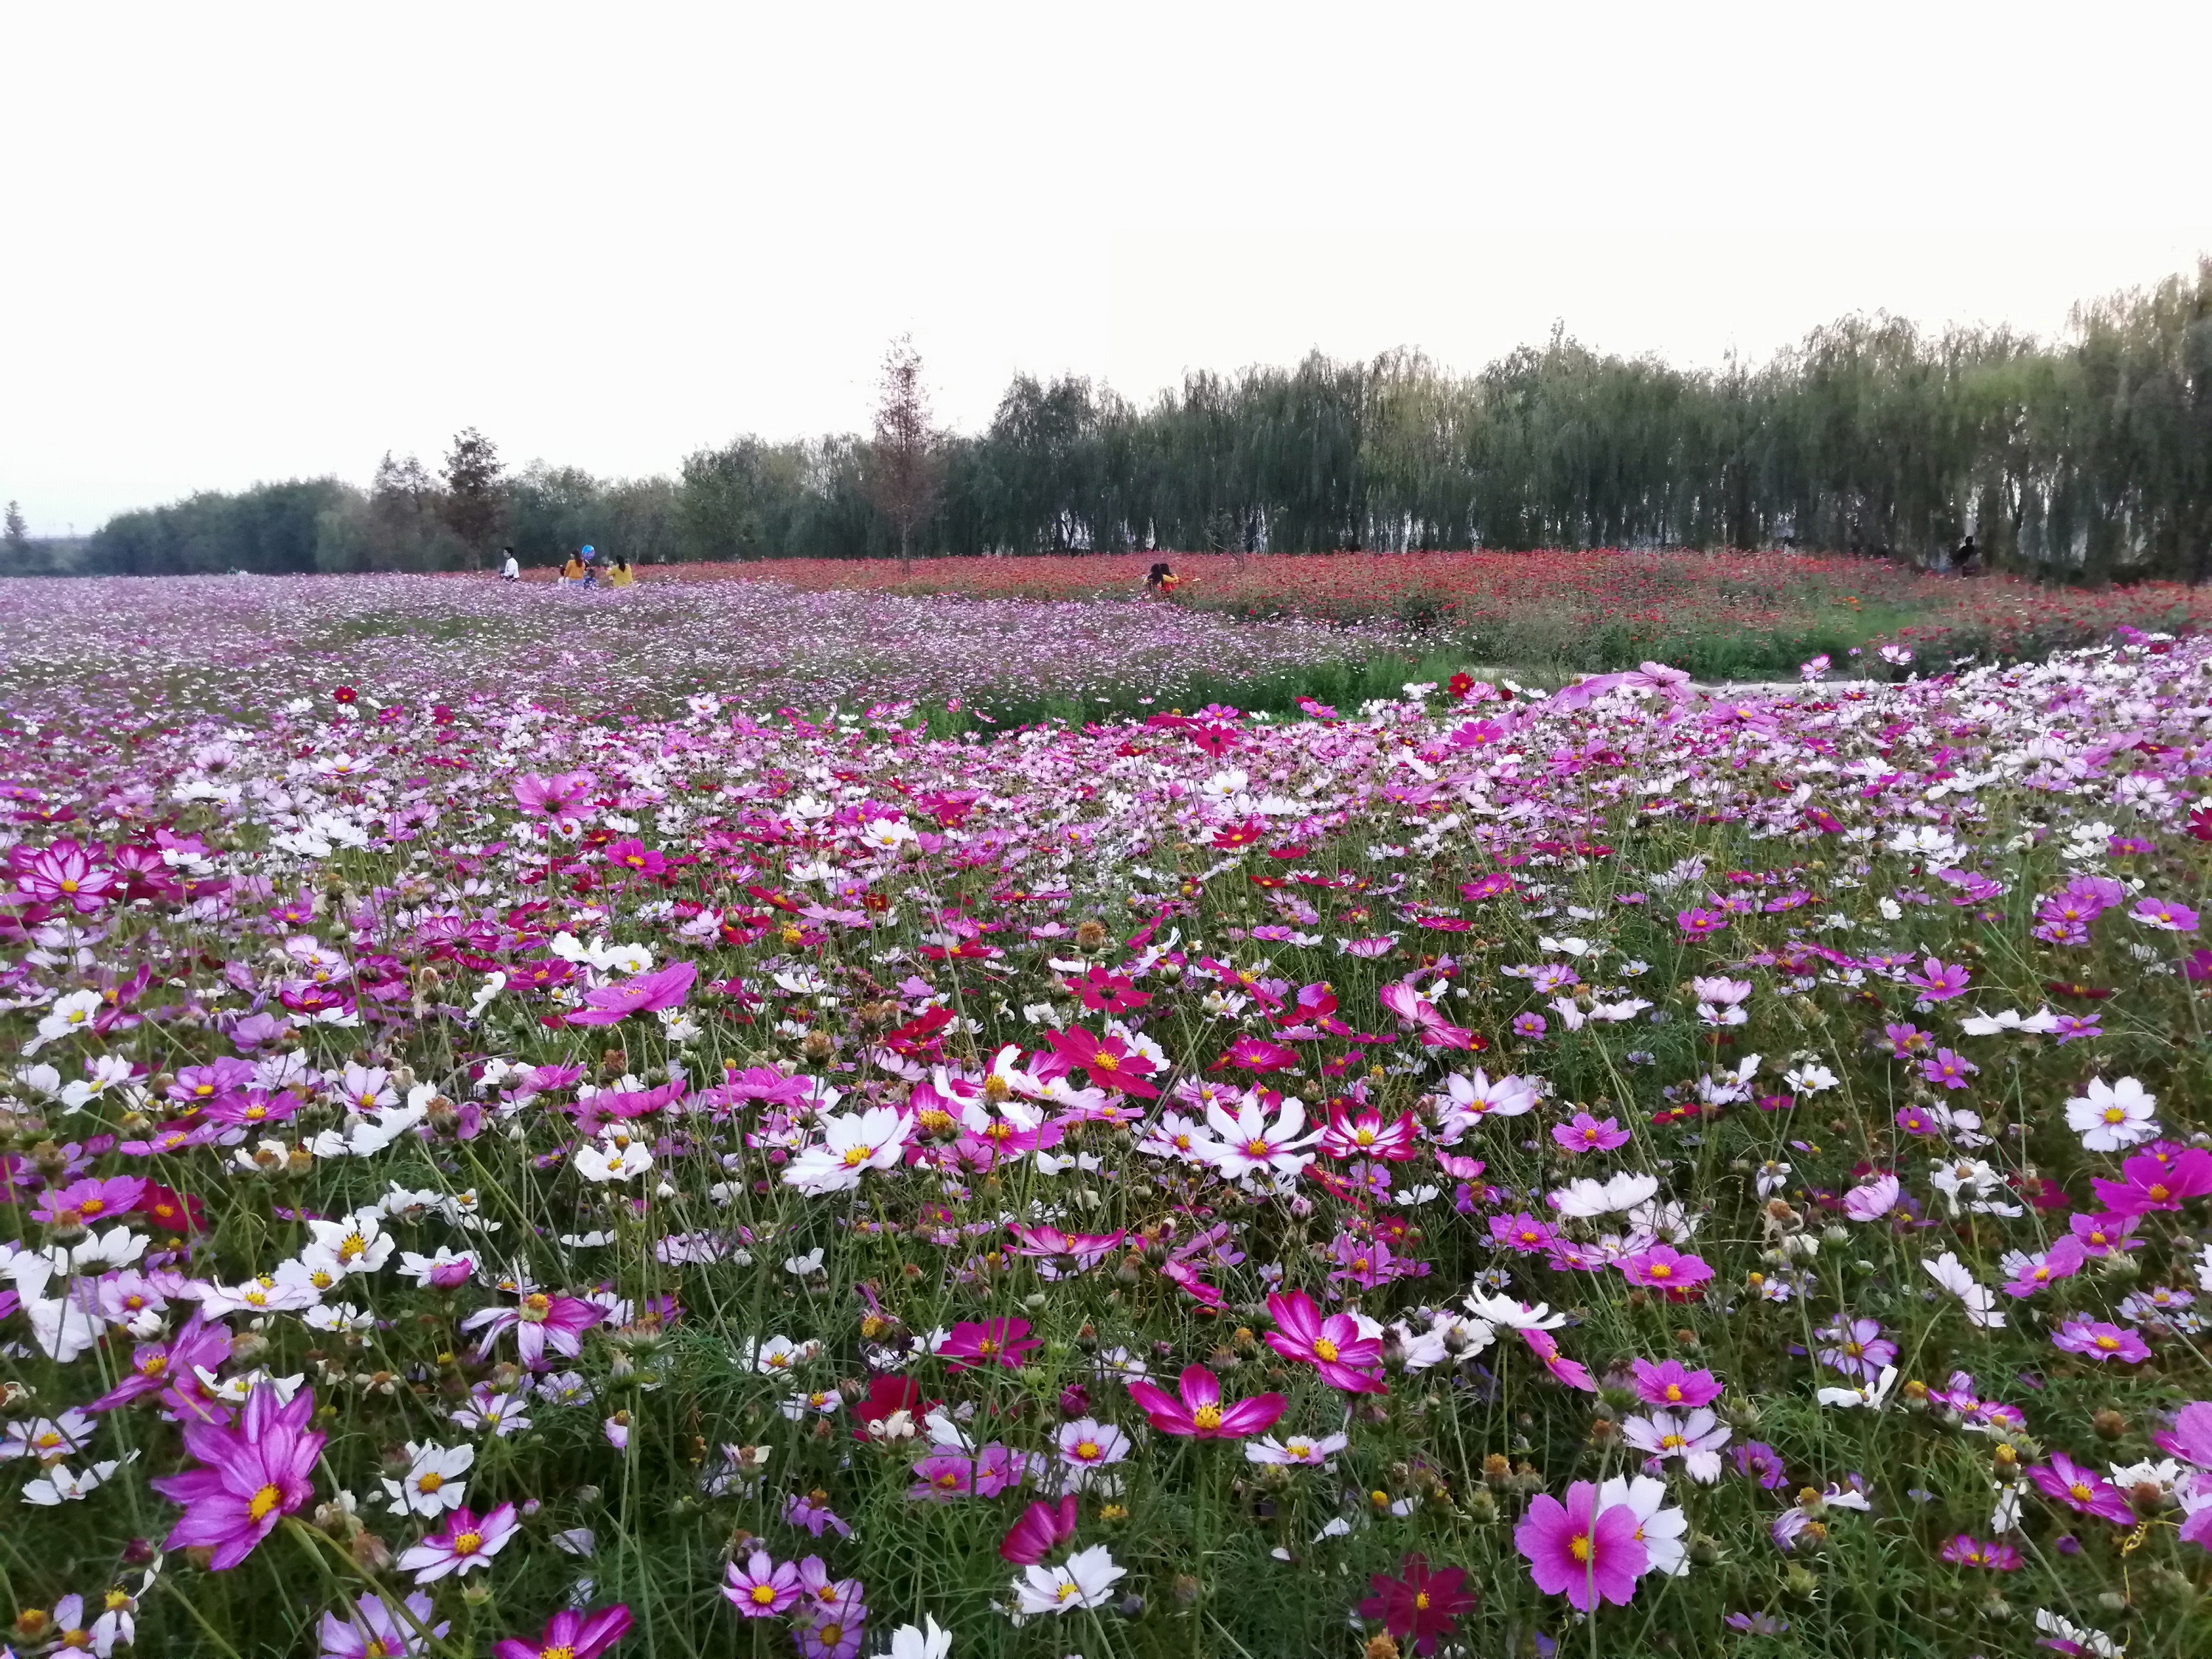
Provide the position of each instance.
(280, 245)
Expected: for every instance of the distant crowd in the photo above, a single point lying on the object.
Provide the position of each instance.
(582, 569)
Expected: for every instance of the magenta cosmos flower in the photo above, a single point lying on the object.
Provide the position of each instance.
(1669, 1384)
(1199, 1413)
(1663, 1268)
(87, 1203)
(465, 1543)
(2155, 1183)
(1042, 1528)
(569, 1634)
(761, 1587)
(1576, 1552)
(1004, 1342)
(1332, 1346)
(642, 994)
(1418, 1603)
(255, 1474)
(2082, 1490)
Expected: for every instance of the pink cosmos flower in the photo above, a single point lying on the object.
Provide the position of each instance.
(2153, 1183)
(2100, 1235)
(1332, 1346)
(1698, 923)
(1042, 1528)
(1586, 1134)
(1200, 1414)
(762, 1587)
(1572, 1372)
(555, 797)
(465, 1543)
(634, 856)
(542, 1324)
(1004, 1342)
(570, 1634)
(642, 994)
(1664, 1267)
(1574, 1551)
(64, 874)
(1366, 1135)
(1667, 1383)
(254, 1474)
(2096, 1340)
(2082, 1490)
(1966, 1551)
(1948, 1069)
(1416, 1011)
(2163, 914)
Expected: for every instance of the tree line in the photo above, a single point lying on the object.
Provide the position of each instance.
(2085, 457)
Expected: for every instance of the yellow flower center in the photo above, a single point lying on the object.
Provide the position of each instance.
(264, 1501)
(429, 1481)
(467, 1543)
(763, 1595)
(1324, 1349)
(1579, 1546)
(1207, 1417)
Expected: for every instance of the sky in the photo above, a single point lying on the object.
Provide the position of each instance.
(243, 243)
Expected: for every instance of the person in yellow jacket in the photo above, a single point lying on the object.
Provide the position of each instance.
(574, 570)
(621, 575)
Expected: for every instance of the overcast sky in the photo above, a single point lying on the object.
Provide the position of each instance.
(246, 243)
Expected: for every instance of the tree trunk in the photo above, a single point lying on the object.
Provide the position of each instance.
(905, 556)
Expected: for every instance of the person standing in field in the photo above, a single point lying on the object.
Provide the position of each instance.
(510, 571)
(590, 557)
(573, 571)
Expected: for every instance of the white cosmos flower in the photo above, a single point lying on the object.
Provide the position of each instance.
(1248, 1143)
(1954, 1276)
(851, 1143)
(1873, 1397)
(61, 1485)
(1658, 1529)
(613, 1157)
(433, 1483)
(1084, 1580)
(2112, 1115)
(911, 1642)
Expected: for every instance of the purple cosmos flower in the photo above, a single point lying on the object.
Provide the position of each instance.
(254, 1474)
(1530, 1027)
(761, 1587)
(1586, 1134)
(1948, 1069)
(2096, 1340)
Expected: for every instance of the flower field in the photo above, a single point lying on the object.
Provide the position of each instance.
(607, 1135)
(1720, 614)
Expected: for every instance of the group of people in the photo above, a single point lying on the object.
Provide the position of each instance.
(581, 568)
